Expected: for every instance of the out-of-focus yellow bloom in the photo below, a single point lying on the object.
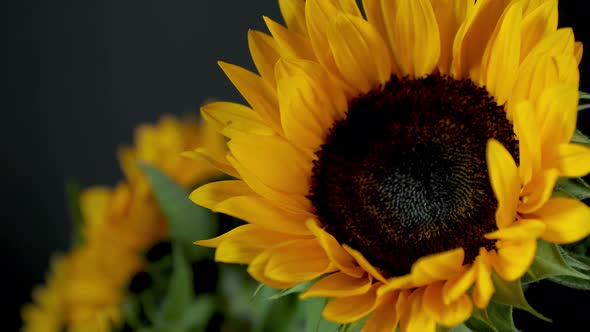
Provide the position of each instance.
(124, 215)
(86, 287)
(161, 146)
(45, 314)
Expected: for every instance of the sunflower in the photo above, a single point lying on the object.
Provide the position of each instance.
(161, 146)
(46, 313)
(87, 285)
(400, 156)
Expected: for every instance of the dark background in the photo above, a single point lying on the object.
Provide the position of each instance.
(78, 76)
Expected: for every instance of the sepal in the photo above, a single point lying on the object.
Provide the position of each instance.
(549, 262)
(511, 293)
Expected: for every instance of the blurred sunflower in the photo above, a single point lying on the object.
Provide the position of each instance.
(87, 285)
(161, 146)
(46, 313)
(400, 157)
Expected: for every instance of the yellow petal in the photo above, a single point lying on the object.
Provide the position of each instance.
(567, 220)
(484, 287)
(211, 194)
(237, 252)
(557, 112)
(258, 211)
(291, 44)
(214, 158)
(348, 7)
(522, 229)
(502, 55)
(541, 72)
(257, 92)
(445, 314)
(416, 319)
(374, 13)
(288, 201)
(536, 24)
(293, 12)
(310, 102)
(442, 266)
(538, 191)
(127, 157)
(559, 42)
(352, 308)
(265, 53)
(274, 161)
(439, 266)
(572, 160)
(359, 52)
(525, 127)
(297, 261)
(505, 182)
(338, 285)
(455, 287)
(402, 282)
(568, 71)
(94, 205)
(330, 102)
(413, 35)
(297, 113)
(578, 51)
(473, 36)
(385, 317)
(254, 235)
(223, 114)
(339, 257)
(364, 263)
(319, 14)
(449, 16)
(514, 257)
(402, 304)
(530, 5)
(257, 269)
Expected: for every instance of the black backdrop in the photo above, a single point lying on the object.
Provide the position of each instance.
(78, 76)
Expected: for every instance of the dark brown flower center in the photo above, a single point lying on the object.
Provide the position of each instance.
(404, 175)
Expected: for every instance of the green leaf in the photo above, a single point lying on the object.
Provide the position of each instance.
(197, 314)
(244, 300)
(510, 293)
(549, 262)
(353, 327)
(73, 199)
(501, 316)
(576, 188)
(578, 261)
(148, 303)
(299, 288)
(495, 317)
(187, 221)
(572, 282)
(480, 321)
(461, 328)
(582, 107)
(579, 249)
(314, 321)
(180, 292)
(281, 315)
(130, 312)
(584, 95)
